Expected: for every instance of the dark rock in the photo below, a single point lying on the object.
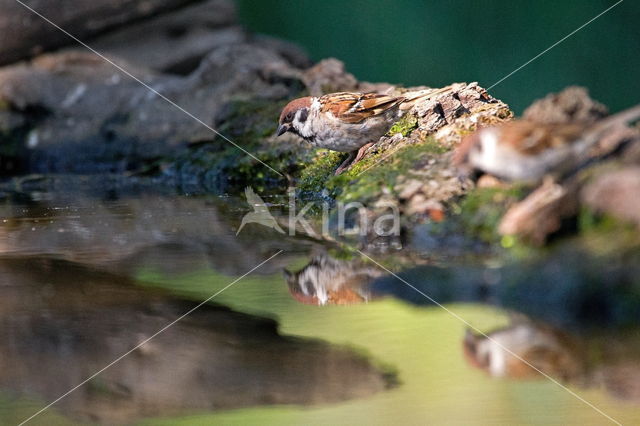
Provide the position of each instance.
(175, 42)
(213, 359)
(573, 104)
(77, 94)
(616, 193)
(329, 76)
(541, 212)
(96, 119)
(290, 51)
(25, 34)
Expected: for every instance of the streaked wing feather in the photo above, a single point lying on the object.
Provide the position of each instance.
(355, 107)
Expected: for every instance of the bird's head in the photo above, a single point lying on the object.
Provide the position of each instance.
(294, 115)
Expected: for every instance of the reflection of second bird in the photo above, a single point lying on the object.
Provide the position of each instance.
(525, 348)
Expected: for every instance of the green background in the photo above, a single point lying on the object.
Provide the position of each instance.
(434, 43)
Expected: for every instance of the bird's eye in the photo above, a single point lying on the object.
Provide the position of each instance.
(289, 116)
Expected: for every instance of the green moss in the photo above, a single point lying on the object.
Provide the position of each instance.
(480, 212)
(343, 252)
(366, 179)
(604, 234)
(431, 145)
(405, 125)
(218, 165)
(248, 122)
(314, 175)
(589, 221)
(378, 173)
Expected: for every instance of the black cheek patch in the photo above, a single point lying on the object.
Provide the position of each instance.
(304, 113)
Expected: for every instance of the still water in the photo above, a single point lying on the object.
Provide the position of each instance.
(314, 336)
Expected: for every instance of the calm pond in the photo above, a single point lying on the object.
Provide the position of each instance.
(313, 336)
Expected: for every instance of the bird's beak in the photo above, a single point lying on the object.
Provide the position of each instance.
(282, 129)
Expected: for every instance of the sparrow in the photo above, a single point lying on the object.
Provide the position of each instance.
(523, 150)
(346, 121)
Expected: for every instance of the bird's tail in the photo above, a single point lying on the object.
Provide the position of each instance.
(597, 130)
(583, 149)
(623, 117)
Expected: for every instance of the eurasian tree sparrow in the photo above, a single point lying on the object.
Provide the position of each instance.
(347, 122)
(524, 150)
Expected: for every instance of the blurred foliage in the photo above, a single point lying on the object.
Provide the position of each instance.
(434, 43)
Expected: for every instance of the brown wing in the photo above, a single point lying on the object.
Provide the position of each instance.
(533, 138)
(355, 107)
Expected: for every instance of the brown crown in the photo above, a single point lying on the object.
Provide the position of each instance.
(295, 105)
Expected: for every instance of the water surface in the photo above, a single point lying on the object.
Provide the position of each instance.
(86, 277)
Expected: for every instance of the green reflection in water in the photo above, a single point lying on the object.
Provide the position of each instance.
(422, 345)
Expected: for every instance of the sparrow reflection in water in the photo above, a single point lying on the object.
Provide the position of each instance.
(330, 281)
(514, 351)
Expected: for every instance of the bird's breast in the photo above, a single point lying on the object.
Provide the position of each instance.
(336, 135)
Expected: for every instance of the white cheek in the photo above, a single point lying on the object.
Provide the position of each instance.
(497, 360)
(322, 295)
(489, 143)
(487, 156)
(303, 128)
